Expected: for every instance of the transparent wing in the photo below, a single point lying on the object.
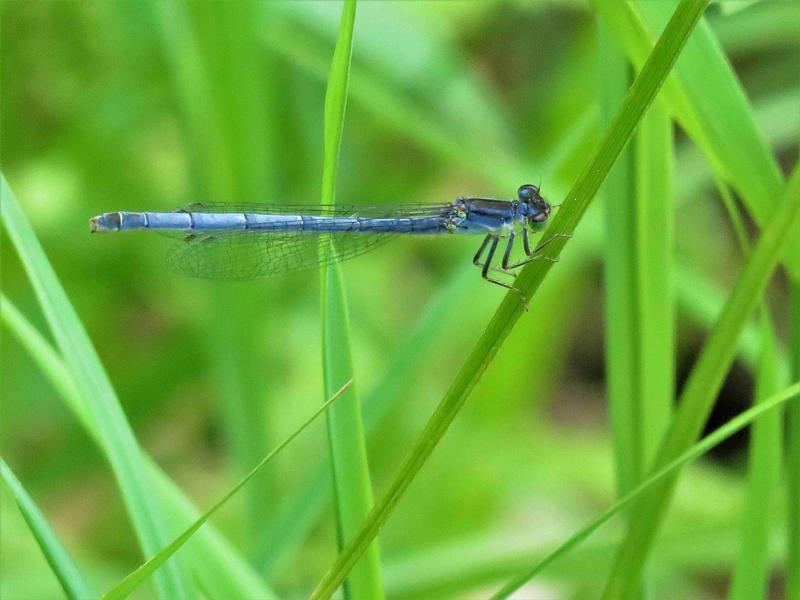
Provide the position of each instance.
(241, 255)
(248, 255)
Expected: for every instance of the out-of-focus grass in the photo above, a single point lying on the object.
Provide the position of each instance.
(100, 112)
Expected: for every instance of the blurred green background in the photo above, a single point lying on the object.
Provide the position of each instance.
(150, 106)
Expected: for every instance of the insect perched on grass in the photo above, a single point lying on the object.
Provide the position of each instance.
(251, 241)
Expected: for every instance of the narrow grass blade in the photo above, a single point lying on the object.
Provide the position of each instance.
(351, 480)
(119, 443)
(705, 96)
(658, 477)
(125, 587)
(577, 201)
(61, 563)
(752, 568)
(620, 274)
(216, 565)
(703, 384)
(793, 458)
(655, 304)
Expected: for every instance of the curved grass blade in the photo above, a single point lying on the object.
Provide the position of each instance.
(703, 384)
(577, 201)
(719, 435)
(61, 563)
(348, 450)
(101, 403)
(137, 577)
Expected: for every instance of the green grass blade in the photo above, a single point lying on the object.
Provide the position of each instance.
(703, 384)
(793, 458)
(638, 266)
(620, 275)
(131, 582)
(45, 357)
(705, 97)
(221, 571)
(752, 568)
(351, 480)
(577, 201)
(119, 442)
(654, 278)
(668, 470)
(61, 563)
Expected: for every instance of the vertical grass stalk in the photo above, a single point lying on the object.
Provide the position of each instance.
(351, 480)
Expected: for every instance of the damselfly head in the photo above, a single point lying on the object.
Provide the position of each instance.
(535, 208)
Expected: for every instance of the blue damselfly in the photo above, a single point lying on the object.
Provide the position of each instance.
(251, 241)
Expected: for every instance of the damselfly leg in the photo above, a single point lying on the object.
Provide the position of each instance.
(491, 241)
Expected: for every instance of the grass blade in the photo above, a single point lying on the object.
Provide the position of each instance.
(752, 568)
(705, 96)
(793, 458)
(125, 587)
(351, 480)
(119, 443)
(61, 563)
(217, 566)
(703, 384)
(620, 274)
(577, 201)
(719, 435)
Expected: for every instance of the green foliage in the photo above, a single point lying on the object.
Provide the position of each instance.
(157, 105)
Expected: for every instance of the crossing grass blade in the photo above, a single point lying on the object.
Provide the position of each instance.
(130, 583)
(574, 206)
(61, 563)
(118, 441)
(769, 405)
(350, 468)
(702, 386)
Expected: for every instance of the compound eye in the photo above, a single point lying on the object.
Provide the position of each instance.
(527, 192)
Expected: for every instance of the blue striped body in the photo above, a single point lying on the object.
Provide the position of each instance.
(468, 215)
(252, 241)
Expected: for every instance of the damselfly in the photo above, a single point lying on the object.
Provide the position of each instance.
(251, 241)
